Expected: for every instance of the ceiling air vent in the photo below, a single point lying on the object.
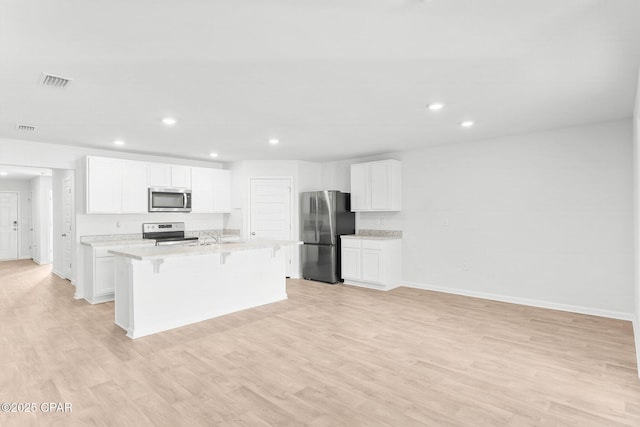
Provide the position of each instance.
(28, 128)
(55, 81)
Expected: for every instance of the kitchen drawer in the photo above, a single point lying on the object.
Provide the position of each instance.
(351, 243)
(372, 244)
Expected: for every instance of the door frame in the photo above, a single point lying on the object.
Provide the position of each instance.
(292, 218)
(19, 237)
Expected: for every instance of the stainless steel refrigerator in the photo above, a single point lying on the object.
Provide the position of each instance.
(324, 217)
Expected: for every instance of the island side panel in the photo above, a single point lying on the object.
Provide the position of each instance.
(123, 278)
(191, 289)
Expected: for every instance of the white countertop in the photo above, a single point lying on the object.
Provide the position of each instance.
(162, 252)
(117, 242)
(367, 237)
(136, 239)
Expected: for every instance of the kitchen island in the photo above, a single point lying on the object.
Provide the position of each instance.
(164, 287)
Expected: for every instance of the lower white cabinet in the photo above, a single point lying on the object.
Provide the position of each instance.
(371, 263)
(99, 282)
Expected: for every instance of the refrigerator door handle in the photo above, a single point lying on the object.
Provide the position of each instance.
(315, 211)
(332, 205)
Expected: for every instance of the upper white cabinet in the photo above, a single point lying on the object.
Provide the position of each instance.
(104, 185)
(376, 186)
(116, 186)
(168, 176)
(210, 190)
(201, 190)
(221, 190)
(134, 187)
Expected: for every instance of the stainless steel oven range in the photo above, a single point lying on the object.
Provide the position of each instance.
(167, 233)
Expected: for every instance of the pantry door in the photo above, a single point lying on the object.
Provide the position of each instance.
(270, 211)
(8, 225)
(67, 226)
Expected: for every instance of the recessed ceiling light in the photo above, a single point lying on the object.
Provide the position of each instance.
(436, 106)
(273, 141)
(169, 121)
(4, 173)
(213, 154)
(118, 142)
(466, 124)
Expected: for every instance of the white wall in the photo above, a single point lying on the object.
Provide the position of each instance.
(23, 187)
(542, 219)
(306, 176)
(42, 221)
(636, 221)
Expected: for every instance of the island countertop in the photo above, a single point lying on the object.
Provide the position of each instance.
(161, 252)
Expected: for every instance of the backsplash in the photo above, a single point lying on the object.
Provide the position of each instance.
(132, 224)
(380, 233)
(378, 221)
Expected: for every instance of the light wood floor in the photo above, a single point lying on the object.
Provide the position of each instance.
(328, 356)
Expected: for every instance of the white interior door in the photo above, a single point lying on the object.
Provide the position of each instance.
(8, 226)
(67, 220)
(270, 211)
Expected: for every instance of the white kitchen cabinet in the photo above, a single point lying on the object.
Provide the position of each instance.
(104, 276)
(180, 176)
(376, 186)
(371, 263)
(99, 283)
(210, 190)
(115, 186)
(104, 185)
(168, 176)
(360, 193)
(350, 259)
(134, 187)
(201, 190)
(221, 190)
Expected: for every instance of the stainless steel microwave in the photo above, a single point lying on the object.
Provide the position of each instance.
(169, 200)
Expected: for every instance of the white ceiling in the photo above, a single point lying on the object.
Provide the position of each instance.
(330, 79)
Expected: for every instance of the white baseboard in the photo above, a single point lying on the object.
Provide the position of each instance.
(368, 285)
(60, 275)
(525, 301)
